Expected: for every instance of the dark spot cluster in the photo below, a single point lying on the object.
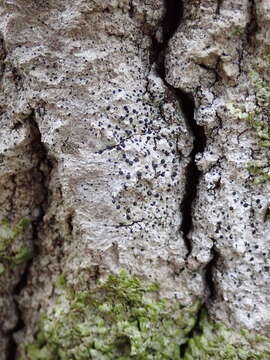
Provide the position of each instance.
(145, 162)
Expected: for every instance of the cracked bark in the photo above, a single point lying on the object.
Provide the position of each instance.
(170, 23)
(172, 20)
(92, 84)
(220, 188)
(252, 26)
(210, 282)
(193, 173)
(44, 166)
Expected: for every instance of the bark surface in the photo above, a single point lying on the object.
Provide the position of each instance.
(118, 144)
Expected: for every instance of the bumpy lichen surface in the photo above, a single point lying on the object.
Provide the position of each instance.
(258, 120)
(9, 257)
(214, 341)
(121, 319)
(124, 319)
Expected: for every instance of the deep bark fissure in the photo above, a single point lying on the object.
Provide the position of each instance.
(131, 9)
(209, 274)
(171, 21)
(193, 332)
(192, 172)
(170, 24)
(219, 4)
(252, 26)
(39, 149)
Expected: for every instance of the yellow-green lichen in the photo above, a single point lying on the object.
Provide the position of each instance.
(258, 120)
(126, 320)
(9, 257)
(236, 31)
(213, 341)
(121, 319)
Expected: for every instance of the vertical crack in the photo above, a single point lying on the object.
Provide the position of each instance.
(44, 167)
(219, 5)
(192, 172)
(3, 55)
(252, 26)
(193, 332)
(171, 21)
(209, 276)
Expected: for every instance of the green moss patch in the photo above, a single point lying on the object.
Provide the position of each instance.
(124, 319)
(259, 121)
(9, 257)
(216, 342)
(121, 319)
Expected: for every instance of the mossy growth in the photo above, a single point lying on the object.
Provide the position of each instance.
(236, 31)
(120, 319)
(213, 341)
(9, 257)
(258, 120)
(123, 319)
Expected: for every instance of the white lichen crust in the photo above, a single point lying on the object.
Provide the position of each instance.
(211, 56)
(96, 151)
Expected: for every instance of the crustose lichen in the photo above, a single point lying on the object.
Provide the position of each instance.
(258, 120)
(124, 319)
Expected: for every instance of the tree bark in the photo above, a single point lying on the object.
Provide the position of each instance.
(118, 143)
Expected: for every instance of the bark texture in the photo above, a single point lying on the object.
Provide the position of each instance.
(117, 142)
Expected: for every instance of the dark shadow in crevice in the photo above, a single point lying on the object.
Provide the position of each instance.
(252, 26)
(37, 148)
(172, 19)
(171, 22)
(209, 275)
(219, 5)
(194, 331)
(192, 172)
(12, 345)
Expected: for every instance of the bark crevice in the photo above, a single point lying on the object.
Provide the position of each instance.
(171, 22)
(209, 275)
(252, 26)
(219, 5)
(44, 167)
(193, 174)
